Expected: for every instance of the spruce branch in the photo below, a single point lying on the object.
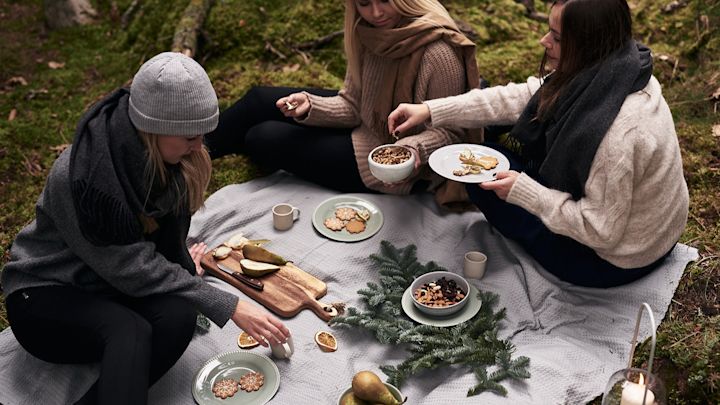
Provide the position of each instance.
(474, 343)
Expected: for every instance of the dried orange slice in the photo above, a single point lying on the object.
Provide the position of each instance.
(326, 341)
(246, 341)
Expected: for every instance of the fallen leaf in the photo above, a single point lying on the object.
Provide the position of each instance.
(35, 93)
(56, 65)
(716, 130)
(12, 115)
(716, 94)
(291, 68)
(59, 148)
(16, 80)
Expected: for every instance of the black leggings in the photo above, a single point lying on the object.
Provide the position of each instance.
(136, 340)
(256, 127)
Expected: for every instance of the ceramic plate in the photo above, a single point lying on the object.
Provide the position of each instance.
(234, 365)
(446, 159)
(468, 311)
(327, 208)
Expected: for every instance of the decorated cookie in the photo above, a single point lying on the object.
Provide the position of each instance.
(252, 381)
(334, 224)
(225, 388)
(345, 213)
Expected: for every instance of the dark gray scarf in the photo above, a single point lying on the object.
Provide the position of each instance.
(110, 189)
(561, 148)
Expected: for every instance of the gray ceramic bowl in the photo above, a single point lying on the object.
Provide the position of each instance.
(393, 390)
(432, 277)
(388, 173)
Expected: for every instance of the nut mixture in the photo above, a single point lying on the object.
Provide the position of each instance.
(392, 155)
(441, 293)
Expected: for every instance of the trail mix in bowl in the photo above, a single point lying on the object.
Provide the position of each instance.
(441, 293)
(391, 155)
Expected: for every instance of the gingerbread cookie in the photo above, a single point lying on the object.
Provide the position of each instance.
(355, 226)
(345, 213)
(334, 224)
(225, 388)
(252, 381)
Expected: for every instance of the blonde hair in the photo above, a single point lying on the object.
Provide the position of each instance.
(413, 9)
(195, 168)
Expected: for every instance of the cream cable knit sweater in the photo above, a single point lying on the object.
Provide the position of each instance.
(636, 201)
(441, 74)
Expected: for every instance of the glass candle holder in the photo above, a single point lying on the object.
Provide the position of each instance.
(635, 386)
(629, 386)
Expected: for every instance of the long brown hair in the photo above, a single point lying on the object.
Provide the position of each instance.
(195, 168)
(591, 30)
(414, 9)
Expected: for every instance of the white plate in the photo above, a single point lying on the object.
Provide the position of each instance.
(446, 159)
(466, 313)
(326, 209)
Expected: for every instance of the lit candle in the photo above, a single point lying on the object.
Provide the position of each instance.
(632, 394)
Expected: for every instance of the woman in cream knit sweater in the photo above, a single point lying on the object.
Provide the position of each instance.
(397, 51)
(597, 194)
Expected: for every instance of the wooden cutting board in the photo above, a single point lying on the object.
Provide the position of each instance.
(286, 291)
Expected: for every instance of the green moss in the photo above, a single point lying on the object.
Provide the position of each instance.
(103, 56)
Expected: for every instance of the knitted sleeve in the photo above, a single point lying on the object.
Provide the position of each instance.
(441, 74)
(499, 105)
(341, 111)
(135, 269)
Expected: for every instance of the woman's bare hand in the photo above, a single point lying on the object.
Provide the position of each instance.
(197, 250)
(259, 324)
(407, 116)
(294, 106)
(503, 183)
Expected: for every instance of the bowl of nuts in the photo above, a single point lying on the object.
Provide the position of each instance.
(440, 293)
(391, 163)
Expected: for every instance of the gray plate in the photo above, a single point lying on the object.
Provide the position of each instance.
(466, 313)
(234, 365)
(326, 209)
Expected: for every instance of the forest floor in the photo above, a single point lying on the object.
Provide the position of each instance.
(48, 78)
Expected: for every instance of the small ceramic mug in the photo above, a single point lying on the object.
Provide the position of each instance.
(282, 350)
(284, 215)
(474, 265)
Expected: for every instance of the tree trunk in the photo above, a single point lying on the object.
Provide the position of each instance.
(186, 32)
(67, 13)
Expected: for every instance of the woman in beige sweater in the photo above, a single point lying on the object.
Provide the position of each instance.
(597, 194)
(397, 51)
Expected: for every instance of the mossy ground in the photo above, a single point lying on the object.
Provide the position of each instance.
(235, 40)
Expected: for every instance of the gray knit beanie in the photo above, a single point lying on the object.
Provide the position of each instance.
(172, 95)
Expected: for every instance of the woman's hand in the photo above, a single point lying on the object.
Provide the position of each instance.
(294, 106)
(407, 116)
(197, 250)
(259, 324)
(503, 183)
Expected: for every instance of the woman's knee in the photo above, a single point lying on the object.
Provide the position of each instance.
(177, 318)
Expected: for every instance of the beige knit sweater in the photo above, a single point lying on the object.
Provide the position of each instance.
(636, 201)
(441, 74)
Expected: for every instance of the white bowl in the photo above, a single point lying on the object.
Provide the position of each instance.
(388, 173)
(393, 390)
(432, 277)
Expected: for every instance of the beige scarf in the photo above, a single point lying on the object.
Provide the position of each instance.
(402, 50)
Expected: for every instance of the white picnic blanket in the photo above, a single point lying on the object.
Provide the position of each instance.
(575, 337)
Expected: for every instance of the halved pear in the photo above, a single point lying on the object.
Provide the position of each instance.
(257, 269)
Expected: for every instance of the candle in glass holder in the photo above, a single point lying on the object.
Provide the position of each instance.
(632, 393)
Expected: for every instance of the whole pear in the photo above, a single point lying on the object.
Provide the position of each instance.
(367, 385)
(260, 254)
(351, 399)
